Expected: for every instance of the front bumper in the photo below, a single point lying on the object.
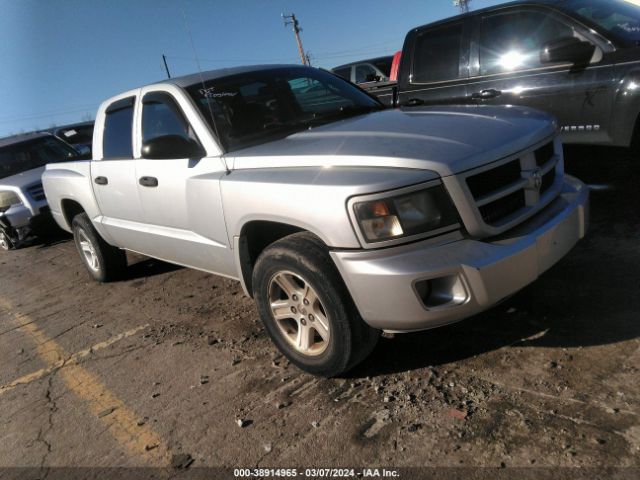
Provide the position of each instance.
(19, 223)
(422, 285)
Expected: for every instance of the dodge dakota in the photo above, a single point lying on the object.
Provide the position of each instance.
(340, 218)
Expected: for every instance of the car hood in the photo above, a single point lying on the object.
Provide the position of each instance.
(22, 179)
(447, 140)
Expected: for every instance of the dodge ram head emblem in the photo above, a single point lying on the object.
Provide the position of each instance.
(535, 180)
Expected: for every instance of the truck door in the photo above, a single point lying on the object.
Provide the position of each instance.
(507, 69)
(179, 188)
(113, 175)
(434, 67)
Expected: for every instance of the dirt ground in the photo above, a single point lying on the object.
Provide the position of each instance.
(172, 367)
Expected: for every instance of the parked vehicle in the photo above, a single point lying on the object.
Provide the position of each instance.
(372, 70)
(79, 135)
(340, 218)
(379, 81)
(576, 59)
(23, 206)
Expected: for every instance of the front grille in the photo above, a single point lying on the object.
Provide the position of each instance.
(515, 187)
(487, 182)
(503, 207)
(544, 154)
(36, 192)
(547, 180)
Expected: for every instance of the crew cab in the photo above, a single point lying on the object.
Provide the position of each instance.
(339, 217)
(23, 207)
(576, 59)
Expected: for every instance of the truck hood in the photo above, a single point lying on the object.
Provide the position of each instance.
(447, 140)
(22, 179)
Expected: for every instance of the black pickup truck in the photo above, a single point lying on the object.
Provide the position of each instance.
(577, 59)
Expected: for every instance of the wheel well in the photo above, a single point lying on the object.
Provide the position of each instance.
(254, 238)
(71, 208)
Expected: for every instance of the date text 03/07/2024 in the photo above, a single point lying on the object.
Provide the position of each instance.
(315, 472)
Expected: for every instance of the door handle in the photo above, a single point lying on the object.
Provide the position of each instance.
(414, 102)
(486, 94)
(101, 180)
(148, 181)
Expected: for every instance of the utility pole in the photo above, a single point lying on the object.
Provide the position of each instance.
(164, 59)
(292, 20)
(463, 5)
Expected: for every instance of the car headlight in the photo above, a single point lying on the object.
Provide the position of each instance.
(7, 200)
(405, 215)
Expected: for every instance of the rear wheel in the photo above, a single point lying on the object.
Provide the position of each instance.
(104, 262)
(307, 309)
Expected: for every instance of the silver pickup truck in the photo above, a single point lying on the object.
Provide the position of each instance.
(339, 218)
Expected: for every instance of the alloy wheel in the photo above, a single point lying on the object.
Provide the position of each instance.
(298, 313)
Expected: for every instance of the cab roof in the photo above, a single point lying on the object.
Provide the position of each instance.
(196, 78)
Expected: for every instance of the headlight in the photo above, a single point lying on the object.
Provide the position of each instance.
(7, 200)
(414, 213)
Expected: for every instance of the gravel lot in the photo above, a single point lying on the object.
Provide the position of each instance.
(173, 366)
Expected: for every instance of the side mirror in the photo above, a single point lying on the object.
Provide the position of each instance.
(171, 146)
(84, 152)
(567, 49)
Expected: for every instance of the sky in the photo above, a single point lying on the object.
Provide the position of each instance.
(61, 58)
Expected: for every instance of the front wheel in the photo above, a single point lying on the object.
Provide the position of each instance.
(5, 241)
(104, 262)
(307, 309)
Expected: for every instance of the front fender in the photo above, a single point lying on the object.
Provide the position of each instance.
(310, 198)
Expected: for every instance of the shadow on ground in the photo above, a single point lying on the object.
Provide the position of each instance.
(148, 267)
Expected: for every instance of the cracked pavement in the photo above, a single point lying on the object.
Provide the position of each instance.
(166, 362)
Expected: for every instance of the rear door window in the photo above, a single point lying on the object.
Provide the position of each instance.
(437, 54)
(118, 124)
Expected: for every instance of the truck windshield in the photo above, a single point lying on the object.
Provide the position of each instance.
(23, 156)
(257, 107)
(620, 18)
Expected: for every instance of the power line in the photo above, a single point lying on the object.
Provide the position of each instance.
(48, 114)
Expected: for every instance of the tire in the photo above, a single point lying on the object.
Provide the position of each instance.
(318, 327)
(104, 262)
(5, 241)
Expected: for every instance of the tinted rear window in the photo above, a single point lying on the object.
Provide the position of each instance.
(437, 54)
(384, 65)
(76, 135)
(343, 72)
(117, 141)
